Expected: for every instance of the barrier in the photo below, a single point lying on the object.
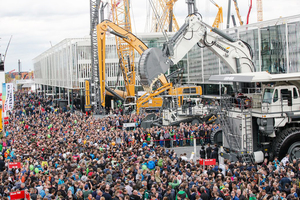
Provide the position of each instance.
(19, 195)
(170, 143)
(14, 165)
(207, 161)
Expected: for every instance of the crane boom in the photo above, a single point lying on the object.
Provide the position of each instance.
(250, 7)
(238, 12)
(219, 17)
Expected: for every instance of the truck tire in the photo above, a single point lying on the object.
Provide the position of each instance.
(288, 141)
(195, 121)
(216, 137)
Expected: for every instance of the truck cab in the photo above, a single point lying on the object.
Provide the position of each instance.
(283, 98)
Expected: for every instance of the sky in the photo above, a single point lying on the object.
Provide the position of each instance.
(36, 25)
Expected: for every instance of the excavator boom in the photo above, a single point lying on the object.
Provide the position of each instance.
(236, 54)
(128, 37)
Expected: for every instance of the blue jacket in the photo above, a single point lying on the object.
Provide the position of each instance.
(151, 165)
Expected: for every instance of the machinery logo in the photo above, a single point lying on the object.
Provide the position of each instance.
(222, 48)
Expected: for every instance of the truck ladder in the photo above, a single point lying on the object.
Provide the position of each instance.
(248, 140)
(175, 101)
(229, 133)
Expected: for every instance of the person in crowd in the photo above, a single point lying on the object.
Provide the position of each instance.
(66, 155)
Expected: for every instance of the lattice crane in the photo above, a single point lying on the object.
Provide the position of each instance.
(238, 12)
(95, 78)
(219, 18)
(166, 15)
(121, 16)
(259, 10)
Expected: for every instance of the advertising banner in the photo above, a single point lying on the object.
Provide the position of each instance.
(207, 162)
(19, 195)
(14, 165)
(7, 97)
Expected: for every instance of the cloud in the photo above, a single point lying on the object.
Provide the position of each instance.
(36, 23)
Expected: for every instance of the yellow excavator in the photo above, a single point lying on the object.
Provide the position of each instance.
(150, 99)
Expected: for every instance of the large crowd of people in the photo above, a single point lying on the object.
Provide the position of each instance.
(65, 156)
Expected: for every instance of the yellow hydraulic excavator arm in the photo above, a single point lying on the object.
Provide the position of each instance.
(147, 96)
(140, 47)
(128, 37)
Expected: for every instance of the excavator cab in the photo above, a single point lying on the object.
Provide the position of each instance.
(130, 104)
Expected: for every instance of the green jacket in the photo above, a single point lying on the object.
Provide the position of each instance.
(181, 194)
(172, 134)
(160, 162)
(174, 184)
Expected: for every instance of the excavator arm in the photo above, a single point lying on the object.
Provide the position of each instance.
(128, 37)
(147, 96)
(236, 54)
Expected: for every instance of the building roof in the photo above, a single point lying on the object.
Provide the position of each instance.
(255, 77)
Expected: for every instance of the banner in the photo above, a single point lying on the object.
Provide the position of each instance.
(7, 97)
(125, 125)
(14, 165)
(207, 162)
(19, 195)
(3, 95)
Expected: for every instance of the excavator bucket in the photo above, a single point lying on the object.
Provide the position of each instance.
(151, 65)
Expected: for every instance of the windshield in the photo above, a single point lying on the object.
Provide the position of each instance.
(129, 100)
(267, 97)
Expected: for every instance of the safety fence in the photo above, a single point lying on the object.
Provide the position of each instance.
(171, 143)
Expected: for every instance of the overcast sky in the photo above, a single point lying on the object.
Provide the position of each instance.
(36, 24)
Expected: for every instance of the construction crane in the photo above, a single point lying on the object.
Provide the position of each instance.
(250, 7)
(95, 78)
(121, 16)
(238, 12)
(219, 18)
(259, 10)
(166, 15)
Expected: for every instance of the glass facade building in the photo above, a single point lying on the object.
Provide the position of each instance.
(275, 44)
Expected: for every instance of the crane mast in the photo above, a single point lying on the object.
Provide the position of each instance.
(219, 18)
(121, 17)
(165, 12)
(238, 12)
(259, 10)
(96, 99)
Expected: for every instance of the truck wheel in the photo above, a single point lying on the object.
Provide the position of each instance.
(216, 137)
(195, 121)
(288, 142)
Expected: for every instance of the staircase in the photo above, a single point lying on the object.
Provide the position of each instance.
(233, 138)
(175, 100)
(230, 134)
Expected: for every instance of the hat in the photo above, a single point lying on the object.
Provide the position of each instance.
(86, 187)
